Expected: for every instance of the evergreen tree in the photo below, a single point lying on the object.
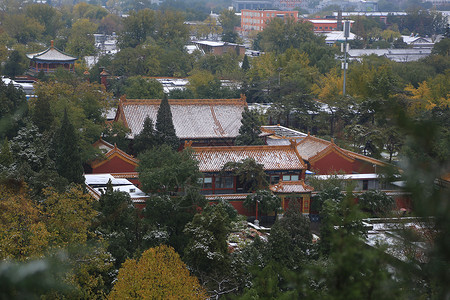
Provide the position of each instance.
(13, 65)
(164, 125)
(250, 130)
(6, 158)
(119, 223)
(42, 115)
(68, 159)
(245, 64)
(146, 139)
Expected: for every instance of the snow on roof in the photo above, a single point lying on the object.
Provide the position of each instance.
(310, 146)
(283, 131)
(333, 36)
(326, 21)
(291, 187)
(348, 176)
(212, 159)
(192, 118)
(98, 182)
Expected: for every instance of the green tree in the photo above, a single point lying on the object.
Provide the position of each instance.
(165, 129)
(376, 202)
(245, 64)
(166, 171)
(14, 65)
(229, 21)
(46, 15)
(442, 47)
(13, 109)
(81, 39)
(137, 87)
(290, 239)
(266, 201)
(146, 139)
(6, 158)
(250, 129)
(67, 153)
(42, 115)
(207, 250)
(158, 274)
(118, 223)
(250, 174)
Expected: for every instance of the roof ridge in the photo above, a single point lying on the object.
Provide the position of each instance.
(236, 101)
(251, 147)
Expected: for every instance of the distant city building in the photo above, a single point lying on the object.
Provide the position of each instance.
(239, 5)
(287, 4)
(398, 55)
(49, 60)
(256, 20)
(381, 15)
(326, 25)
(219, 48)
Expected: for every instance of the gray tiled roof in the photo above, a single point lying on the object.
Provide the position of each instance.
(192, 118)
(212, 159)
(51, 54)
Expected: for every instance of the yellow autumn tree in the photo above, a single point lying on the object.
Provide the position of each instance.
(329, 87)
(22, 233)
(429, 94)
(69, 216)
(158, 274)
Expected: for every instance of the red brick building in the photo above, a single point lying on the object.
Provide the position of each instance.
(256, 20)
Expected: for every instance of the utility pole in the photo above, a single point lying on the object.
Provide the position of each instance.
(345, 65)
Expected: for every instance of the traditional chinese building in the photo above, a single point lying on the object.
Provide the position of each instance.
(49, 60)
(115, 162)
(282, 164)
(204, 122)
(321, 156)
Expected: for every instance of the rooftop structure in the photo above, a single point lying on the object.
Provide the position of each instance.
(49, 60)
(398, 55)
(326, 25)
(219, 48)
(97, 184)
(193, 119)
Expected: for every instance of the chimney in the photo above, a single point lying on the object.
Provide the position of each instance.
(339, 21)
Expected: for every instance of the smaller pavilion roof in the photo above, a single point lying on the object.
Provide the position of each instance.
(52, 54)
(212, 159)
(287, 187)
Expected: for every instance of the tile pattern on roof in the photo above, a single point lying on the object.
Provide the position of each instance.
(282, 131)
(212, 159)
(287, 187)
(228, 197)
(51, 54)
(310, 146)
(192, 118)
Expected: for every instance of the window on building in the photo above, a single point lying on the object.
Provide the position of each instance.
(365, 186)
(290, 177)
(274, 179)
(206, 182)
(224, 182)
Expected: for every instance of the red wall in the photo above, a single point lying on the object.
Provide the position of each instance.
(363, 167)
(114, 165)
(331, 163)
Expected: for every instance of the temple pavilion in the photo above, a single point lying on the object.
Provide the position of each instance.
(49, 60)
